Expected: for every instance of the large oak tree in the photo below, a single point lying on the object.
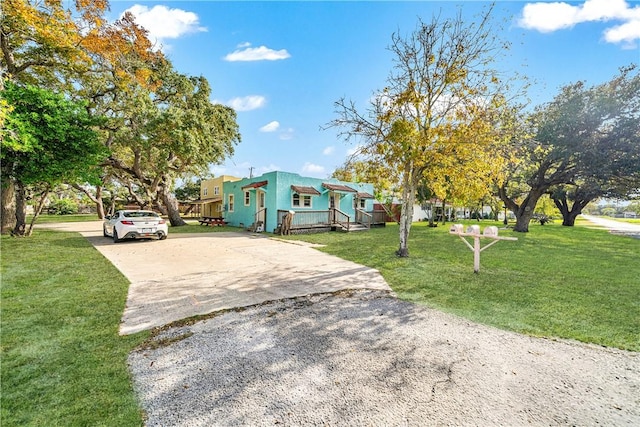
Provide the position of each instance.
(585, 144)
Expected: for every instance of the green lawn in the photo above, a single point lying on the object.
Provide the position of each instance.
(63, 362)
(629, 220)
(566, 282)
(46, 218)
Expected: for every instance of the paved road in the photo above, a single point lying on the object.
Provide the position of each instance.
(192, 274)
(614, 226)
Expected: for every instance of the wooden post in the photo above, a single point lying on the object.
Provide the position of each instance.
(476, 254)
(474, 231)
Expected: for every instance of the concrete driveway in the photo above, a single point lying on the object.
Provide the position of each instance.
(616, 227)
(192, 274)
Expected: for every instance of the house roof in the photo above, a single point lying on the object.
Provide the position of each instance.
(257, 184)
(338, 187)
(365, 196)
(205, 201)
(300, 189)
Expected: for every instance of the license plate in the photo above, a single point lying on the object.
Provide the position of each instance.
(148, 230)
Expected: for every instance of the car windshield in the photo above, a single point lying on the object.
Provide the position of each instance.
(140, 214)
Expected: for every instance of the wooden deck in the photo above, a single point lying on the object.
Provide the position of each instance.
(307, 222)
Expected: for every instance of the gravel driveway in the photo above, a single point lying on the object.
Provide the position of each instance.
(365, 358)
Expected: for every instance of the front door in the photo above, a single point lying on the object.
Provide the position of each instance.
(334, 203)
(260, 210)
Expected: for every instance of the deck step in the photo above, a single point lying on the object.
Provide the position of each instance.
(355, 227)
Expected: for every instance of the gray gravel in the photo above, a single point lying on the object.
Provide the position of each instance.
(366, 358)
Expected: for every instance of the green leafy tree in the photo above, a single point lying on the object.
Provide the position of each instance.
(48, 140)
(47, 44)
(189, 190)
(609, 161)
(175, 131)
(634, 207)
(585, 146)
(63, 207)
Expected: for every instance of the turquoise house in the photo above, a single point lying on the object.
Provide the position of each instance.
(260, 203)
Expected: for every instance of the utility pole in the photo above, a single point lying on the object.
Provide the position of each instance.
(251, 168)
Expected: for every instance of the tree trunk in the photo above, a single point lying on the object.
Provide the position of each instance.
(21, 210)
(570, 220)
(8, 208)
(524, 211)
(38, 208)
(522, 221)
(99, 203)
(431, 215)
(171, 204)
(569, 215)
(406, 216)
(97, 199)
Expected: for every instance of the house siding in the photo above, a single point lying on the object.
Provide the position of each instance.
(278, 196)
(207, 191)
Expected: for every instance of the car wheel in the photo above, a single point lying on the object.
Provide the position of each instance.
(104, 232)
(115, 236)
(163, 236)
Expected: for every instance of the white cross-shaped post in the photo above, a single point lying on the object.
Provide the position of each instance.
(474, 231)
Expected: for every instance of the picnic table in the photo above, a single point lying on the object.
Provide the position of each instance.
(210, 220)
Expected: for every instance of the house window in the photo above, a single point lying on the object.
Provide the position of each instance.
(247, 198)
(205, 191)
(231, 202)
(216, 191)
(301, 201)
(363, 203)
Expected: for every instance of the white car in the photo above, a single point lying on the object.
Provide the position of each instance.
(132, 224)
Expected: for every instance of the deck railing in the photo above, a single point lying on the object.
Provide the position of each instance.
(364, 218)
(340, 218)
(262, 213)
(304, 219)
(332, 217)
(378, 217)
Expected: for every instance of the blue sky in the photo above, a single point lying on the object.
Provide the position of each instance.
(282, 65)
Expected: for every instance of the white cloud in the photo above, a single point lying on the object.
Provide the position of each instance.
(626, 33)
(270, 127)
(329, 150)
(246, 103)
(549, 17)
(286, 134)
(165, 23)
(313, 169)
(261, 53)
